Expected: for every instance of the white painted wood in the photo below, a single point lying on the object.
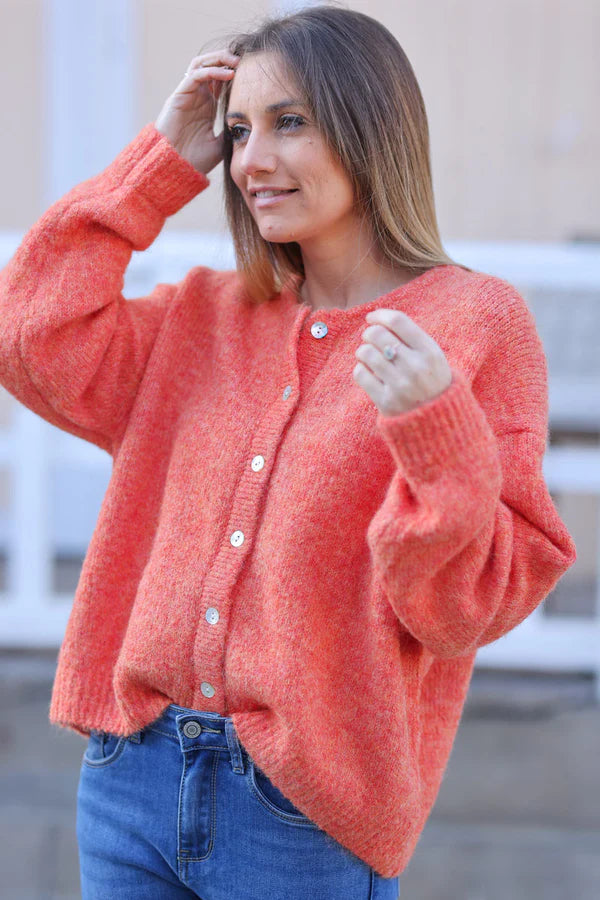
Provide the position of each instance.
(29, 568)
(561, 644)
(537, 263)
(573, 469)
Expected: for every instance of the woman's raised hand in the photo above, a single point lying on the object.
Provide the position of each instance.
(188, 116)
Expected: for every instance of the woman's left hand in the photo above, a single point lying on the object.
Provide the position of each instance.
(418, 373)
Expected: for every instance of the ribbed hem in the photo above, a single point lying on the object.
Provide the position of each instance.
(79, 706)
(81, 703)
(451, 429)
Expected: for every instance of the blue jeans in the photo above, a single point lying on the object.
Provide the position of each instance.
(180, 810)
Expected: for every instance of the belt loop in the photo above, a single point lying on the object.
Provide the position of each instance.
(237, 762)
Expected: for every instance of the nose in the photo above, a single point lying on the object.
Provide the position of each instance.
(257, 155)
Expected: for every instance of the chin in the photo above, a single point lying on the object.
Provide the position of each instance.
(278, 236)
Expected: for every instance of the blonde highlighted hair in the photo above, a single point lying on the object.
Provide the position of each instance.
(373, 120)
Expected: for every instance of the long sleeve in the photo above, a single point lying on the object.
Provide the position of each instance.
(72, 348)
(468, 542)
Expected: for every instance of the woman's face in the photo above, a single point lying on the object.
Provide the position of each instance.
(282, 148)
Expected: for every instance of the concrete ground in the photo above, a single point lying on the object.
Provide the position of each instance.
(517, 817)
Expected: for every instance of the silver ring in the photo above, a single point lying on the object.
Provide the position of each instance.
(390, 352)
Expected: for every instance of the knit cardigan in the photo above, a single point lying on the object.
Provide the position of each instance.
(271, 547)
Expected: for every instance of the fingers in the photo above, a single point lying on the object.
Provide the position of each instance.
(220, 60)
(215, 56)
(208, 72)
(214, 76)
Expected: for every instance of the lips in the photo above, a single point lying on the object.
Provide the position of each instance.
(272, 199)
(274, 190)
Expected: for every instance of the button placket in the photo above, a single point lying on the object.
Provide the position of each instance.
(212, 613)
(318, 330)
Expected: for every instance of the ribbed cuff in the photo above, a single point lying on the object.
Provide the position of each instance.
(153, 166)
(451, 429)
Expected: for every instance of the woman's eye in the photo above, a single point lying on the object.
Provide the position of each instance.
(287, 123)
(234, 132)
(293, 121)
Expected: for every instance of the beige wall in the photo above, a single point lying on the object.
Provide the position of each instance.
(510, 87)
(21, 112)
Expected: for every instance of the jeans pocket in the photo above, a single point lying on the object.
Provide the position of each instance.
(271, 798)
(103, 749)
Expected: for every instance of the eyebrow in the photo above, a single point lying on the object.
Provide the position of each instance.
(289, 101)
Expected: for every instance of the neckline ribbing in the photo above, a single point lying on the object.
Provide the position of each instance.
(361, 309)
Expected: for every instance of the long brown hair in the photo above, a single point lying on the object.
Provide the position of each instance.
(373, 119)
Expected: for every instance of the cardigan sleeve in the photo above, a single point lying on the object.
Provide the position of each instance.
(467, 541)
(72, 348)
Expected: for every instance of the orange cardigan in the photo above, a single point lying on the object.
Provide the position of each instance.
(271, 547)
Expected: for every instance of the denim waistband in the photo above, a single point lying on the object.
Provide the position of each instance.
(196, 729)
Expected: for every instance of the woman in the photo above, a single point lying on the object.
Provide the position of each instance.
(327, 487)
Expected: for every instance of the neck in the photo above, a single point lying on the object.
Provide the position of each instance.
(359, 290)
(333, 278)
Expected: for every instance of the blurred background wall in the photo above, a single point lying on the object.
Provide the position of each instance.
(511, 88)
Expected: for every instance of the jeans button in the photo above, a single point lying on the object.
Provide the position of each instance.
(192, 729)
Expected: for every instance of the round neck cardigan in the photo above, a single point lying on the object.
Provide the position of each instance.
(270, 547)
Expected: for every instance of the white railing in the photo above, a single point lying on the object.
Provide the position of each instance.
(58, 481)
